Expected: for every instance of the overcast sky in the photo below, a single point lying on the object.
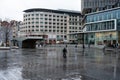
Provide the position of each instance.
(13, 9)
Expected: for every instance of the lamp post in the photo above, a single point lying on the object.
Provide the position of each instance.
(44, 37)
(76, 39)
(83, 41)
(110, 38)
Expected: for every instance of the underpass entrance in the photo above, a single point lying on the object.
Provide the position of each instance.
(28, 43)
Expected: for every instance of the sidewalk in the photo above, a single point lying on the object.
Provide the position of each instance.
(99, 47)
(111, 49)
(92, 46)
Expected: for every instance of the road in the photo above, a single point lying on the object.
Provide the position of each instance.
(47, 63)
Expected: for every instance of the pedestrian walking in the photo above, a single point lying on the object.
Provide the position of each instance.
(64, 53)
(89, 44)
(76, 46)
(104, 48)
(117, 45)
(83, 46)
(66, 46)
(75, 53)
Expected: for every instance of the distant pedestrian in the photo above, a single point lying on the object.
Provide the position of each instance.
(64, 53)
(66, 46)
(117, 45)
(104, 48)
(76, 46)
(89, 44)
(83, 46)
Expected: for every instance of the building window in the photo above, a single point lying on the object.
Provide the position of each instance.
(33, 30)
(53, 23)
(41, 14)
(46, 30)
(65, 27)
(37, 18)
(41, 26)
(50, 19)
(37, 14)
(32, 18)
(41, 18)
(65, 31)
(37, 22)
(41, 22)
(61, 23)
(37, 30)
(37, 26)
(41, 30)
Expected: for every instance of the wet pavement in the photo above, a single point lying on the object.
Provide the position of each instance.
(48, 64)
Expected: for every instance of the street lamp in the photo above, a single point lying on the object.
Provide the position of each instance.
(110, 38)
(44, 37)
(76, 38)
(83, 40)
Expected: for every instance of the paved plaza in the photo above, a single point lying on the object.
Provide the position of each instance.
(47, 63)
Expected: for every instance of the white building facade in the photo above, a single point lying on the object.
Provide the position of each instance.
(53, 25)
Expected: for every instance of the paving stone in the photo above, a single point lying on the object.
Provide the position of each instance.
(48, 64)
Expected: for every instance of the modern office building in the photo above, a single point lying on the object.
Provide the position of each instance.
(88, 6)
(102, 27)
(53, 25)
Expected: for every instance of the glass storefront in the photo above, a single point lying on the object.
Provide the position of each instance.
(101, 38)
(89, 38)
(105, 38)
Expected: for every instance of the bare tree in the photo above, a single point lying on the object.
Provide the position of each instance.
(6, 30)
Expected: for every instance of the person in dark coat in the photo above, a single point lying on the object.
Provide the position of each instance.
(64, 53)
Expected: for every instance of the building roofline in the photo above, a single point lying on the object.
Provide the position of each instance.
(53, 11)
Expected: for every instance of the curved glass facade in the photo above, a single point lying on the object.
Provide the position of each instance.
(108, 25)
(103, 15)
(104, 26)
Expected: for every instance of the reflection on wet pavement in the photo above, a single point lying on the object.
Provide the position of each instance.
(47, 64)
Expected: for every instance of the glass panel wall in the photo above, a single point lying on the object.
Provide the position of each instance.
(108, 25)
(105, 15)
